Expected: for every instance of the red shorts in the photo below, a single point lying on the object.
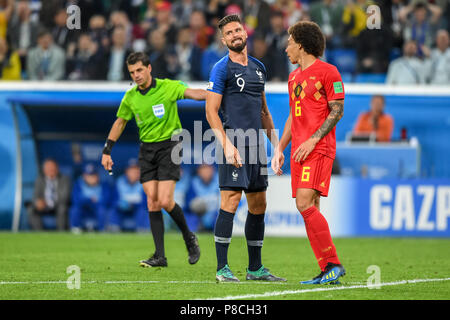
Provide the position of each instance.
(312, 173)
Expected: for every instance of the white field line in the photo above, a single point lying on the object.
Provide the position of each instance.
(333, 288)
(132, 282)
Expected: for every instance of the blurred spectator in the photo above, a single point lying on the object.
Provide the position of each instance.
(203, 196)
(22, 31)
(445, 19)
(148, 19)
(118, 53)
(203, 34)
(438, 63)
(164, 22)
(46, 61)
(421, 19)
(336, 169)
(216, 51)
(390, 13)
(10, 66)
(119, 20)
(182, 187)
(328, 15)
(6, 11)
(51, 196)
(375, 121)
(256, 16)
(260, 51)
(182, 10)
(130, 209)
(408, 69)
(61, 34)
(85, 61)
(91, 201)
(373, 47)
(99, 32)
(130, 8)
(277, 40)
(291, 10)
(275, 71)
(354, 18)
(88, 9)
(162, 58)
(215, 10)
(48, 11)
(189, 56)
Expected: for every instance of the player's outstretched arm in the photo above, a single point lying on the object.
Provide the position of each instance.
(336, 113)
(114, 134)
(195, 94)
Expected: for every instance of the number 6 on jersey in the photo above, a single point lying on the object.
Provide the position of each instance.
(298, 108)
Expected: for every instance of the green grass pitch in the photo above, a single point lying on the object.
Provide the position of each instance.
(34, 266)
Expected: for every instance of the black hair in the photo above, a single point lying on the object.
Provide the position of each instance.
(227, 19)
(135, 57)
(309, 35)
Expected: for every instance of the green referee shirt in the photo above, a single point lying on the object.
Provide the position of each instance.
(156, 112)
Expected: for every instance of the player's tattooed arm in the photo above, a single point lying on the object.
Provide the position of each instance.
(337, 111)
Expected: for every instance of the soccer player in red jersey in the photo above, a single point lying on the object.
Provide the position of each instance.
(316, 100)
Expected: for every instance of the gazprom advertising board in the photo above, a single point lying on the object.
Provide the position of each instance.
(360, 207)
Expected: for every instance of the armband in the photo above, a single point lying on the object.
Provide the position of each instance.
(108, 146)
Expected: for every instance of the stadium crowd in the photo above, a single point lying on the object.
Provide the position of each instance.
(410, 45)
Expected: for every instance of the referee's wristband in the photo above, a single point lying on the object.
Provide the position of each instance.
(108, 146)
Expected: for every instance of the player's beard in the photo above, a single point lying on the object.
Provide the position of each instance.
(238, 48)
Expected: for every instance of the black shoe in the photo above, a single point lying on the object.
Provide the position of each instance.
(193, 249)
(154, 261)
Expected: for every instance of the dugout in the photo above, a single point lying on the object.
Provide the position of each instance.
(42, 119)
(66, 122)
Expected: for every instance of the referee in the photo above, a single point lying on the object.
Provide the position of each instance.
(153, 105)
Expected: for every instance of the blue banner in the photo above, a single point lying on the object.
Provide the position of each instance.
(362, 207)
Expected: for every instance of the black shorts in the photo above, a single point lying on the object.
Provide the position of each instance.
(251, 177)
(155, 161)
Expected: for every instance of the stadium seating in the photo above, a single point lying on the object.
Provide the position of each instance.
(370, 78)
(343, 59)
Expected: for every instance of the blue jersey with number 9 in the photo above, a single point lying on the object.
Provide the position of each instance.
(241, 88)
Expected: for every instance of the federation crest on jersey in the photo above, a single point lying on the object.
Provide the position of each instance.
(158, 110)
(235, 175)
(297, 90)
(260, 75)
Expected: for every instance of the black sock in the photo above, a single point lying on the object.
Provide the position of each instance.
(157, 227)
(222, 236)
(254, 233)
(178, 216)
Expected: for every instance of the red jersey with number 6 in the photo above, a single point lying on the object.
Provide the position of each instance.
(310, 90)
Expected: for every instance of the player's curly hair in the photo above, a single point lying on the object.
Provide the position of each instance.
(309, 35)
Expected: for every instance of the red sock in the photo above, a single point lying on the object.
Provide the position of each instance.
(319, 237)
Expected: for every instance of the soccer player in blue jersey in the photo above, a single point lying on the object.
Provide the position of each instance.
(236, 88)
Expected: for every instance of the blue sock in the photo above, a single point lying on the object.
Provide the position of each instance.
(222, 236)
(254, 233)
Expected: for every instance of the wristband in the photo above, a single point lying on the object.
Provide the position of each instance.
(108, 146)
